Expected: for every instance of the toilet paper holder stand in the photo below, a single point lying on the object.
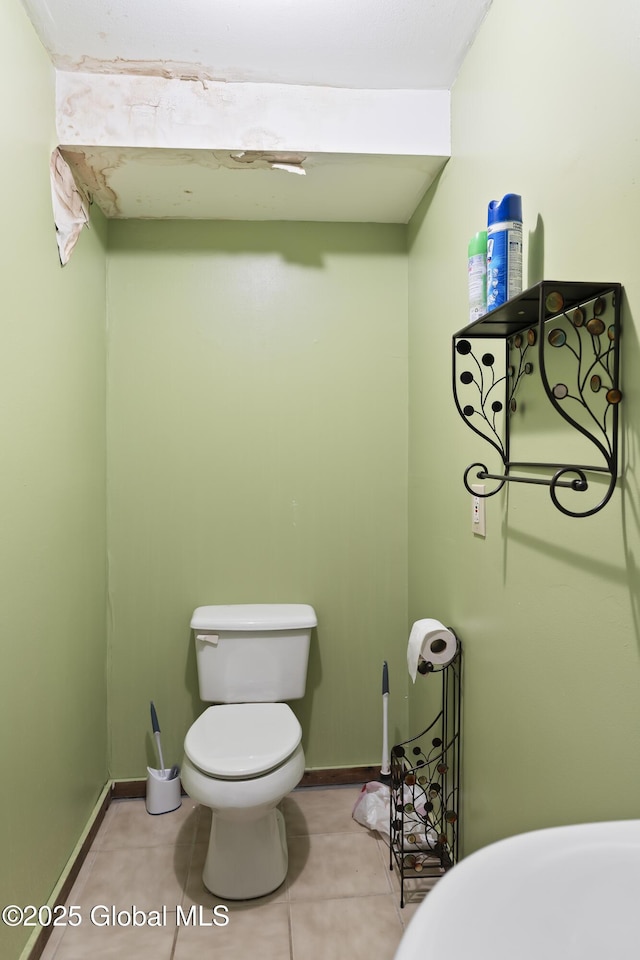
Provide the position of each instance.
(424, 808)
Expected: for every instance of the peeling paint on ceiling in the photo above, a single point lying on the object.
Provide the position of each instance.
(159, 105)
(211, 185)
(70, 206)
(256, 159)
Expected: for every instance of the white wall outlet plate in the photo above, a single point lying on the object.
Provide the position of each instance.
(478, 522)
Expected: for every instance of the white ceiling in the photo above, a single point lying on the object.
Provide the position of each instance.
(365, 44)
(344, 45)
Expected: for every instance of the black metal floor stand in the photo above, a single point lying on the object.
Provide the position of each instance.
(425, 787)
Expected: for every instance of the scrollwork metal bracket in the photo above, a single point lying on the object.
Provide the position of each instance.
(581, 321)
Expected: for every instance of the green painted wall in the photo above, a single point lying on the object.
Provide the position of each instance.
(259, 377)
(52, 498)
(547, 606)
(257, 433)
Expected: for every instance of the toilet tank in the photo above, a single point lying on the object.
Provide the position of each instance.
(252, 653)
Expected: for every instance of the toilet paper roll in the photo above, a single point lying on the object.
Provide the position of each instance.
(432, 641)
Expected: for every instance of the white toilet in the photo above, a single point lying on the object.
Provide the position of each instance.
(244, 755)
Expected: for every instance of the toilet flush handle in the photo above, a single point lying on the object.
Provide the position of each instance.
(208, 638)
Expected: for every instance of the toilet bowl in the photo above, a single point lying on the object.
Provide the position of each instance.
(244, 754)
(241, 760)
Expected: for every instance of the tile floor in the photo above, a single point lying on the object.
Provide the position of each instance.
(340, 900)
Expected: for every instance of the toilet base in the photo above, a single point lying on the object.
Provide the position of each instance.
(247, 855)
(248, 859)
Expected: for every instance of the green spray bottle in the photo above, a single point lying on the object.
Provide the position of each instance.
(477, 274)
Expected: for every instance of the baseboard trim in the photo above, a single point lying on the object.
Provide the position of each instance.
(60, 895)
(325, 777)
(339, 776)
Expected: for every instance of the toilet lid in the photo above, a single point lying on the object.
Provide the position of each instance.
(240, 740)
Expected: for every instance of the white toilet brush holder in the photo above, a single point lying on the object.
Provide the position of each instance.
(163, 792)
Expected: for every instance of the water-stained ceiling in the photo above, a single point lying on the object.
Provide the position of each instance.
(246, 109)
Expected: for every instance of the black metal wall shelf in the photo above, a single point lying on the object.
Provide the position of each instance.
(580, 321)
(424, 826)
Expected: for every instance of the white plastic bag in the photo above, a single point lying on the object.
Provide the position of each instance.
(372, 810)
(372, 807)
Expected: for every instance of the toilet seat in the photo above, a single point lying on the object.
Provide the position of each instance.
(235, 741)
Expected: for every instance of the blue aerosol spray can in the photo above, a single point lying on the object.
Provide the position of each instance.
(504, 250)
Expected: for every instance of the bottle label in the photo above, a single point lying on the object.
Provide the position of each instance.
(504, 262)
(477, 276)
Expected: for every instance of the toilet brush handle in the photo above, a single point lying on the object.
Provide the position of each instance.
(385, 769)
(159, 746)
(156, 733)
